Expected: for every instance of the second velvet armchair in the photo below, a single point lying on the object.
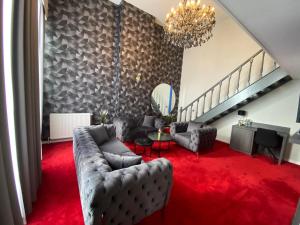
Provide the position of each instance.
(193, 136)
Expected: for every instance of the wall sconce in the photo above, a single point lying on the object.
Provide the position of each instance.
(138, 77)
(242, 113)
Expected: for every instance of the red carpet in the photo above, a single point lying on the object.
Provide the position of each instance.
(220, 187)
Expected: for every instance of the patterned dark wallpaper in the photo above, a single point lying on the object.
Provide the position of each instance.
(144, 52)
(93, 52)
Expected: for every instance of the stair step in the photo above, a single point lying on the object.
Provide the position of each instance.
(266, 84)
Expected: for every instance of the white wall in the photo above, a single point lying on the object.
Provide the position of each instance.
(278, 107)
(204, 66)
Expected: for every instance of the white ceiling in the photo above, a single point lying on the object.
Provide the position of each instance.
(275, 24)
(160, 8)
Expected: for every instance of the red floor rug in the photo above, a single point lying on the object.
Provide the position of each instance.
(220, 187)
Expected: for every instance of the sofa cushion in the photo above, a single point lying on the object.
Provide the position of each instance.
(115, 146)
(98, 183)
(99, 134)
(183, 138)
(148, 121)
(121, 161)
(194, 126)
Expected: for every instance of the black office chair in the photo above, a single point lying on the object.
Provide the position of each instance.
(269, 140)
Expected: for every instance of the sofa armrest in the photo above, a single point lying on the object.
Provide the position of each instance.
(139, 121)
(111, 130)
(178, 127)
(203, 138)
(131, 193)
(122, 128)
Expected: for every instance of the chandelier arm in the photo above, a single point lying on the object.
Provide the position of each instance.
(189, 26)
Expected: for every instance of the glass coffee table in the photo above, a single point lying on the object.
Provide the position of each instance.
(143, 142)
(160, 138)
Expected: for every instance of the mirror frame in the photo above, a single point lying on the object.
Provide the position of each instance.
(173, 102)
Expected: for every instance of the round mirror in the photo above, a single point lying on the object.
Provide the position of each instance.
(163, 99)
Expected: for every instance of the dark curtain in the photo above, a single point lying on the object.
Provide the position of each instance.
(26, 97)
(9, 210)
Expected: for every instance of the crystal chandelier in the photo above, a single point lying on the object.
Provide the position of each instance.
(189, 24)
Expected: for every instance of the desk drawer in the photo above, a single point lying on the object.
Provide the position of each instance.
(242, 139)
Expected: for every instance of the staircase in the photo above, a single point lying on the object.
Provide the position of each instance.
(255, 77)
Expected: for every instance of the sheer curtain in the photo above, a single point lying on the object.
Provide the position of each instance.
(11, 210)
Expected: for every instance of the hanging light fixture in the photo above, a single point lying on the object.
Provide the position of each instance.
(190, 24)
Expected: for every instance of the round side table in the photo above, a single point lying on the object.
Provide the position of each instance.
(143, 142)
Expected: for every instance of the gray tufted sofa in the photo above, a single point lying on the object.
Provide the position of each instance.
(194, 140)
(129, 129)
(117, 197)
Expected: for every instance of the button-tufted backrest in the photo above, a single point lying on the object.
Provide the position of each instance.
(90, 164)
(120, 197)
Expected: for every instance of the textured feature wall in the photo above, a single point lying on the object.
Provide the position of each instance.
(79, 62)
(144, 51)
(93, 52)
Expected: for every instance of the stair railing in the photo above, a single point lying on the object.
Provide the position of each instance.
(208, 95)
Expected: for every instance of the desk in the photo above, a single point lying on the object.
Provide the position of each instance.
(295, 139)
(296, 220)
(242, 138)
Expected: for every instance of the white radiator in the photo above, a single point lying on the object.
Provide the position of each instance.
(63, 124)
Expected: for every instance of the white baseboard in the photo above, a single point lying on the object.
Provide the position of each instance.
(292, 161)
(224, 141)
(57, 141)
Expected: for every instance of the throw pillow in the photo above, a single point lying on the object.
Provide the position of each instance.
(99, 134)
(194, 126)
(159, 123)
(148, 121)
(121, 161)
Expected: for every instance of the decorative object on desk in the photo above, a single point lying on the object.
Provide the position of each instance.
(241, 122)
(245, 122)
(103, 116)
(190, 24)
(163, 99)
(248, 122)
(242, 113)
